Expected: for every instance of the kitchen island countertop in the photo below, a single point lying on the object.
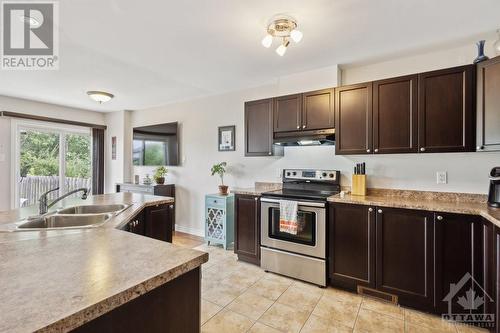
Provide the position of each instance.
(58, 280)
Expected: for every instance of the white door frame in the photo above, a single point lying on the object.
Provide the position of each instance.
(16, 126)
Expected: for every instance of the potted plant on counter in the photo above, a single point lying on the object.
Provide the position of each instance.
(220, 169)
(159, 175)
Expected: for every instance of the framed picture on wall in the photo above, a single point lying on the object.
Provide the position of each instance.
(227, 138)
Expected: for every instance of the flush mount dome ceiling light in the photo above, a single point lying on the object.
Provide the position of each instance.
(100, 96)
(283, 28)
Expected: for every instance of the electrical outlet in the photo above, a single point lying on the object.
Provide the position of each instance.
(441, 177)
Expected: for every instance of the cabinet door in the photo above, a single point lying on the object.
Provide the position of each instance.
(287, 113)
(458, 244)
(157, 223)
(488, 105)
(445, 110)
(395, 115)
(352, 246)
(496, 276)
(405, 256)
(353, 119)
(259, 128)
(318, 110)
(247, 228)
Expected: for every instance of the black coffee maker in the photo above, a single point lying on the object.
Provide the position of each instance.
(494, 195)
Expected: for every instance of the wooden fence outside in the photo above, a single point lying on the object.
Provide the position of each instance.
(31, 187)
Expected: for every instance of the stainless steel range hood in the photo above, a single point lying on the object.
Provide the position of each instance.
(305, 138)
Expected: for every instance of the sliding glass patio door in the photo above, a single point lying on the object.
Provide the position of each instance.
(48, 157)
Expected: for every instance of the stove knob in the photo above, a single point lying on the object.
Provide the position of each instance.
(324, 174)
(288, 174)
(331, 175)
(294, 173)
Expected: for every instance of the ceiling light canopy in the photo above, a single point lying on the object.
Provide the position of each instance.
(283, 28)
(100, 96)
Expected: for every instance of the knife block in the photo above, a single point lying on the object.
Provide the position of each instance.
(358, 186)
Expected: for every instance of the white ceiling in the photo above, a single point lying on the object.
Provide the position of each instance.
(153, 52)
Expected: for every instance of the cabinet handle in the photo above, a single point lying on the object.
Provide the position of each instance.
(368, 150)
(422, 149)
(298, 126)
(256, 199)
(171, 206)
(270, 153)
(376, 150)
(440, 218)
(303, 126)
(480, 147)
(380, 211)
(370, 209)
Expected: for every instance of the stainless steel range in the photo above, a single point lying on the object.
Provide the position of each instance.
(301, 255)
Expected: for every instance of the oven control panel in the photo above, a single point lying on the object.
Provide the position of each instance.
(311, 174)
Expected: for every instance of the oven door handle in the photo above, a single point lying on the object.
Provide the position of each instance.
(300, 203)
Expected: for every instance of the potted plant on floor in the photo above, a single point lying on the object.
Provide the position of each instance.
(220, 169)
(159, 175)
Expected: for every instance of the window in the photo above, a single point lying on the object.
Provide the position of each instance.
(47, 157)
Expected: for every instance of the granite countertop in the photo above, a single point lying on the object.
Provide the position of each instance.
(58, 280)
(459, 203)
(258, 189)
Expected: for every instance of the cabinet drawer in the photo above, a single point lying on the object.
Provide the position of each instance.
(215, 202)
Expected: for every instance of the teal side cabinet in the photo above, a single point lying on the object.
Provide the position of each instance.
(219, 219)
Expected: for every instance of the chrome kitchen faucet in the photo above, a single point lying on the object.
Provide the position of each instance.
(44, 205)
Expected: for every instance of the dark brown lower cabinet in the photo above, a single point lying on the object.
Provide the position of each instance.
(352, 246)
(496, 276)
(158, 222)
(247, 228)
(155, 222)
(172, 307)
(404, 263)
(458, 258)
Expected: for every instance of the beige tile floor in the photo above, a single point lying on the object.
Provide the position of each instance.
(240, 297)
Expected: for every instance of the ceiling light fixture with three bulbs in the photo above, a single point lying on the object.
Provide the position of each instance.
(283, 28)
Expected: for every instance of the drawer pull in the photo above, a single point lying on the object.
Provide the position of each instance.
(380, 211)
(370, 209)
(440, 218)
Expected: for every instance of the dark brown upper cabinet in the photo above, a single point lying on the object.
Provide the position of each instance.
(488, 105)
(259, 129)
(446, 110)
(318, 110)
(353, 112)
(288, 113)
(405, 264)
(395, 127)
(351, 246)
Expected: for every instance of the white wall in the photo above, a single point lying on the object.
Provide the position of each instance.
(199, 119)
(35, 108)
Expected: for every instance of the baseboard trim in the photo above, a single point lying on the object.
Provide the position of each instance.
(188, 230)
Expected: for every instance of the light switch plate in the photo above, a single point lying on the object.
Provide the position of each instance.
(441, 177)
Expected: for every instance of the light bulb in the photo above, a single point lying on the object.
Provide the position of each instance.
(296, 35)
(281, 50)
(496, 45)
(267, 41)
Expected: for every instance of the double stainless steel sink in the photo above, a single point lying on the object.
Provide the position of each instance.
(85, 216)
